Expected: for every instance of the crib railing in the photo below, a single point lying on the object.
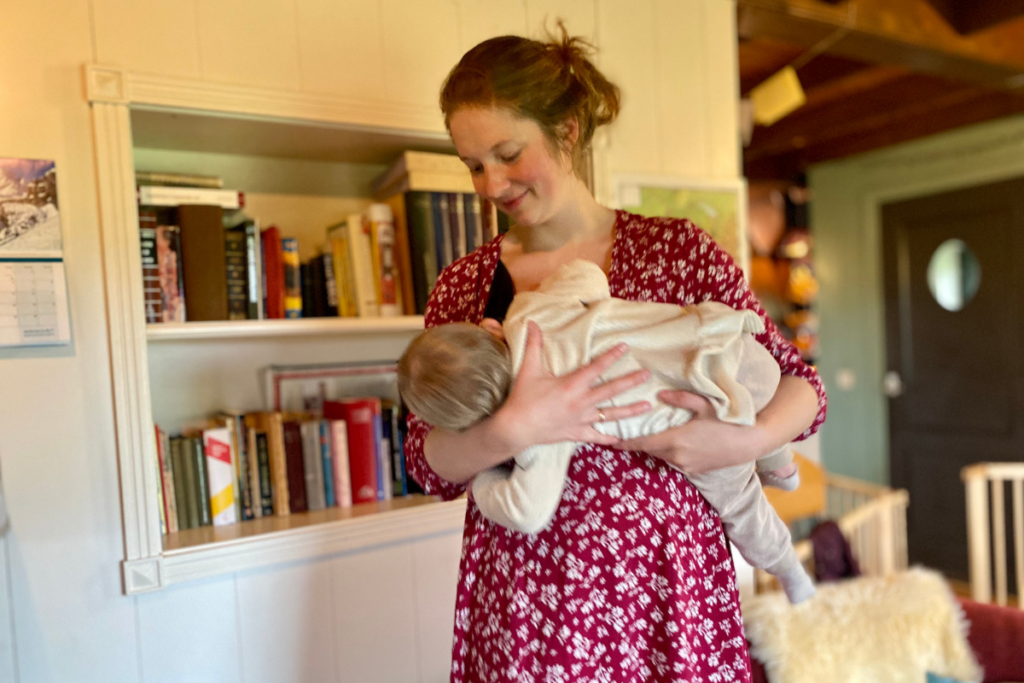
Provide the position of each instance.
(873, 518)
(985, 485)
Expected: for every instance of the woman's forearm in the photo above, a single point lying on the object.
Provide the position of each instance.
(460, 456)
(788, 415)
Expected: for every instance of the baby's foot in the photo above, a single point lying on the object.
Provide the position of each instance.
(797, 584)
(786, 478)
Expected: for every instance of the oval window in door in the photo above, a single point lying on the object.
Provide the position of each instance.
(954, 275)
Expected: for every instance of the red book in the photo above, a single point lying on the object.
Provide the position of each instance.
(273, 272)
(296, 468)
(360, 417)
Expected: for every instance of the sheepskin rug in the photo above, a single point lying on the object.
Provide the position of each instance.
(870, 630)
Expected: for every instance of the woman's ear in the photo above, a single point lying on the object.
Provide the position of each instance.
(569, 135)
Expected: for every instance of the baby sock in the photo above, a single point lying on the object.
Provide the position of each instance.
(794, 579)
(790, 483)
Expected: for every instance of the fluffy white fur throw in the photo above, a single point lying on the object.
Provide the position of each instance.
(868, 630)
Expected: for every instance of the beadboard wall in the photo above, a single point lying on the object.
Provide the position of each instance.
(380, 615)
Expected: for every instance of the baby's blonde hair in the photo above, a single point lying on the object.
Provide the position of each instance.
(452, 376)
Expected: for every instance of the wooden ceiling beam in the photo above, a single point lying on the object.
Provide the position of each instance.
(908, 33)
(968, 16)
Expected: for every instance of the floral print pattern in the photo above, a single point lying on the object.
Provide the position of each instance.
(633, 580)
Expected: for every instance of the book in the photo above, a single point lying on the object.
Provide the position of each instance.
(236, 260)
(170, 505)
(318, 289)
(393, 433)
(152, 298)
(385, 272)
(472, 212)
(383, 456)
(457, 225)
(292, 278)
(361, 258)
(259, 472)
(403, 255)
(164, 195)
(296, 467)
(273, 273)
(360, 419)
(254, 260)
(271, 424)
(235, 422)
(423, 254)
(327, 457)
(161, 503)
(423, 171)
(188, 514)
(344, 278)
(203, 258)
(220, 476)
(442, 229)
(306, 278)
(339, 456)
(330, 284)
(313, 465)
(202, 483)
(180, 179)
(172, 283)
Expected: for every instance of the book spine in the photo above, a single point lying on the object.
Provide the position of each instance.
(278, 464)
(362, 445)
(151, 294)
(391, 417)
(192, 498)
(236, 259)
(318, 287)
(362, 266)
(161, 195)
(252, 455)
(202, 480)
(442, 234)
(292, 278)
(273, 267)
(167, 480)
(381, 456)
(339, 452)
(266, 481)
(242, 460)
(382, 231)
(330, 285)
(423, 255)
(312, 460)
(181, 179)
(488, 226)
(306, 279)
(457, 216)
(327, 456)
(403, 258)
(253, 298)
(203, 262)
(342, 260)
(220, 476)
(161, 496)
(472, 223)
(296, 467)
(168, 255)
(182, 490)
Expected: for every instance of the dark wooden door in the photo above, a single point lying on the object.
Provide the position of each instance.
(956, 377)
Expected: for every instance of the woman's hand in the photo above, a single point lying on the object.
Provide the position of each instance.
(542, 408)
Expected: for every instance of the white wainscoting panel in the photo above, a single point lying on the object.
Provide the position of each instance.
(285, 624)
(579, 15)
(190, 633)
(421, 45)
(336, 57)
(436, 562)
(375, 615)
(483, 19)
(147, 37)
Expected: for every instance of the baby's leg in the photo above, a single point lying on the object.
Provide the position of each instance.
(525, 499)
(753, 526)
(778, 470)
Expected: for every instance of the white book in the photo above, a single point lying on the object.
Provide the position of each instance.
(220, 475)
(161, 195)
(342, 477)
(412, 163)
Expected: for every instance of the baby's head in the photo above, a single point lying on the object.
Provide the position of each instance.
(452, 376)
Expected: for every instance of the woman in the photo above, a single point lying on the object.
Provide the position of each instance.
(632, 580)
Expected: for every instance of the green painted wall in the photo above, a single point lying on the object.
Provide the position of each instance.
(846, 222)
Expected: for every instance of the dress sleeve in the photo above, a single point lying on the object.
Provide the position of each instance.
(718, 278)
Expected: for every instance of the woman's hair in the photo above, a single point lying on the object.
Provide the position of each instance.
(452, 376)
(548, 82)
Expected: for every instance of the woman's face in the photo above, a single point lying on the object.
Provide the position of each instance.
(512, 163)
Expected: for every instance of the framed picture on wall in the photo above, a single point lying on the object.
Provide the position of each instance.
(719, 207)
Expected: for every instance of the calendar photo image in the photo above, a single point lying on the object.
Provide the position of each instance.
(29, 217)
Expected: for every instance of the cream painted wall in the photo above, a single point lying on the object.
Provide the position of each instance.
(371, 617)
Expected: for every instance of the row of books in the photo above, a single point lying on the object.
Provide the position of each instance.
(247, 466)
(201, 262)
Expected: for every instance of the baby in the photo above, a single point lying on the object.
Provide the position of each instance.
(454, 375)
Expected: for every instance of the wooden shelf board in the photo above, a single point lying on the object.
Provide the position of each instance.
(230, 329)
(212, 551)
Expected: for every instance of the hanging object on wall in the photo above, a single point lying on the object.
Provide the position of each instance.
(777, 97)
(33, 291)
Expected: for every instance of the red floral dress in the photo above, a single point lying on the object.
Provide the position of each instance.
(632, 581)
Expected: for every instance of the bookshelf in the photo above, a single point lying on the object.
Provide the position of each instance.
(298, 156)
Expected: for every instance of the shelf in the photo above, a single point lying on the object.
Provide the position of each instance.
(303, 327)
(210, 551)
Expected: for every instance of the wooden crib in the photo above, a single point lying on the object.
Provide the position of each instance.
(985, 485)
(873, 518)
